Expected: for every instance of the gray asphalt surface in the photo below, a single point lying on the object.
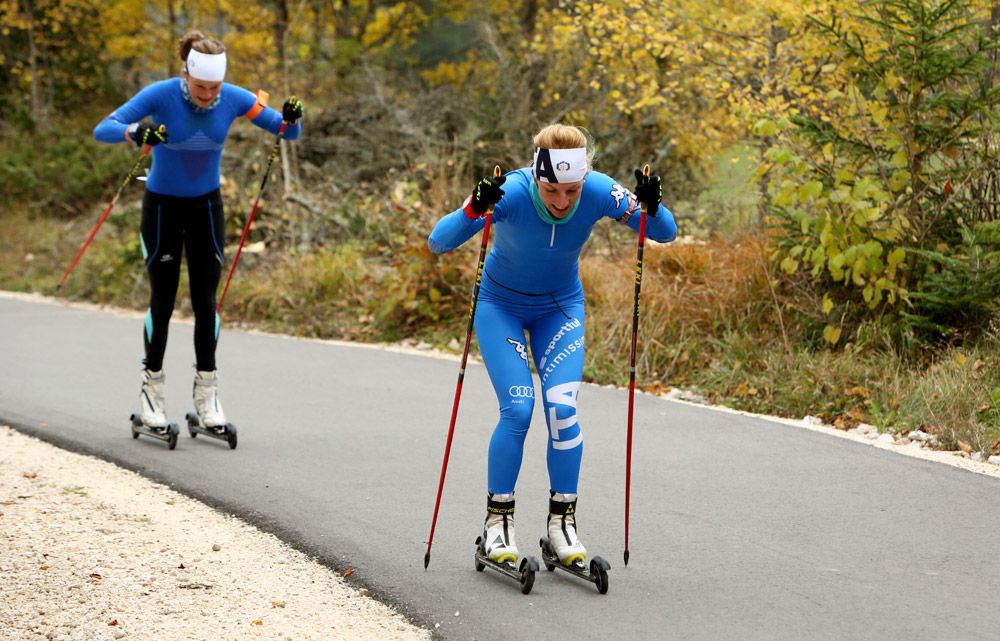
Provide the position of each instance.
(741, 528)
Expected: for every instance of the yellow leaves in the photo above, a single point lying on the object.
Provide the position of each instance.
(827, 305)
(878, 113)
(899, 180)
(394, 26)
(831, 334)
(810, 190)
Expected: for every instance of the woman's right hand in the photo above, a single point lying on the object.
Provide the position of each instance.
(146, 135)
(485, 194)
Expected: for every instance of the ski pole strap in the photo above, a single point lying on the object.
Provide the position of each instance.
(562, 507)
(499, 507)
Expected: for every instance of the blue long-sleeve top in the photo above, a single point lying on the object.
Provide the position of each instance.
(536, 254)
(188, 164)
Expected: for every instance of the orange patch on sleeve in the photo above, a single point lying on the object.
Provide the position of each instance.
(262, 98)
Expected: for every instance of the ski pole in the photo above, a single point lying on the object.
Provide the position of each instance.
(128, 177)
(631, 373)
(260, 192)
(461, 372)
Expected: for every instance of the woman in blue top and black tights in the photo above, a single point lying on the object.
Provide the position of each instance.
(543, 215)
(182, 208)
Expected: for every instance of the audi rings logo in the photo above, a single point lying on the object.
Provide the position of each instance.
(521, 391)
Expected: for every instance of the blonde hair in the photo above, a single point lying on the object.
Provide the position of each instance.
(199, 42)
(565, 137)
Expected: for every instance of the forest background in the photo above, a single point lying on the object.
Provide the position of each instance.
(834, 168)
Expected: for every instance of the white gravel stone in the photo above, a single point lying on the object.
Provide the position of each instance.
(995, 460)
(917, 435)
(138, 584)
(885, 438)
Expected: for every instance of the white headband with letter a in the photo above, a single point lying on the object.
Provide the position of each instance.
(560, 165)
(206, 66)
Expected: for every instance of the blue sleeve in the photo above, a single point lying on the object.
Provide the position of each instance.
(622, 205)
(453, 230)
(268, 119)
(112, 129)
(662, 228)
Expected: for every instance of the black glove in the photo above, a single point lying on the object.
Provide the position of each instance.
(486, 193)
(291, 110)
(648, 191)
(145, 135)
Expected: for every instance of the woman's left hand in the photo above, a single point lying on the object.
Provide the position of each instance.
(648, 191)
(291, 111)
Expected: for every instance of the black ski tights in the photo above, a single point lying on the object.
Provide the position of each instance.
(197, 225)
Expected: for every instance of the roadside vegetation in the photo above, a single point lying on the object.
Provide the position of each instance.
(833, 167)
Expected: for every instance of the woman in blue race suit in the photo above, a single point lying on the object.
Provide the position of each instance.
(543, 216)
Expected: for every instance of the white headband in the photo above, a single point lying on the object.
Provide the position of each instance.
(560, 165)
(206, 66)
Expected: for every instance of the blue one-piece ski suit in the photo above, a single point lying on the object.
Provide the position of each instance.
(532, 284)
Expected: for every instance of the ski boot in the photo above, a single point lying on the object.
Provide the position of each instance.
(496, 548)
(562, 547)
(152, 417)
(208, 418)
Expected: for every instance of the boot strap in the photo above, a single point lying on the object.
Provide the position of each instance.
(562, 508)
(499, 507)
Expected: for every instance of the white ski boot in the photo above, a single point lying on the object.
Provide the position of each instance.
(498, 530)
(206, 400)
(152, 408)
(562, 529)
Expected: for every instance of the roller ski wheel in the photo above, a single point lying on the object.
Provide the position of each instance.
(168, 433)
(522, 572)
(596, 572)
(225, 433)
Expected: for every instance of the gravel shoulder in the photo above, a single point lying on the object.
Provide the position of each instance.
(89, 550)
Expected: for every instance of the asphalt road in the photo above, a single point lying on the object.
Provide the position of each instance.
(742, 528)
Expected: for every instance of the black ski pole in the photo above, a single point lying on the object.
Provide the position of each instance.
(256, 202)
(121, 187)
(631, 373)
(461, 372)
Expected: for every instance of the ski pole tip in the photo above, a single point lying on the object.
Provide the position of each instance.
(626, 558)
(427, 560)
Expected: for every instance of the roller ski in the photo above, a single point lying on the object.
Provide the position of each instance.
(562, 549)
(207, 417)
(496, 548)
(152, 417)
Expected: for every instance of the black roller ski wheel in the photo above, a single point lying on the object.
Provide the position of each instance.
(547, 553)
(599, 570)
(231, 439)
(480, 551)
(528, 567)
(192, 421)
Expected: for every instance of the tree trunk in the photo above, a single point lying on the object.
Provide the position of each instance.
(38, 110)
(776, 34)
(172, 17)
